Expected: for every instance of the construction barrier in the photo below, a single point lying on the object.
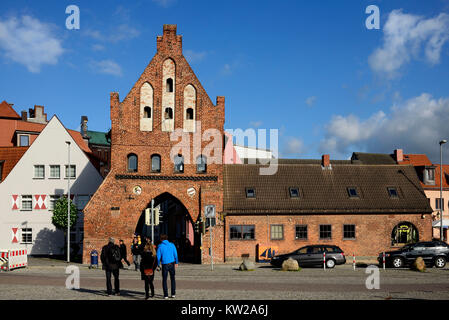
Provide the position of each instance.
(13, 259)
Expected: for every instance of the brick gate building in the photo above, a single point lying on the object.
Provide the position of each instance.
(146, 163)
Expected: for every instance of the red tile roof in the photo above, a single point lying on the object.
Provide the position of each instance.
(6, 111)
(416, 160)
(10, 156)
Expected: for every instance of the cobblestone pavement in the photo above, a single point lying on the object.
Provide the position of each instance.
(45, 279)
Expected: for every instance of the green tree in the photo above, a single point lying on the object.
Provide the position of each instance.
(59, 218)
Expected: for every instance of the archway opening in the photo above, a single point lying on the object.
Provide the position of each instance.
(176, 222)
(404, 233)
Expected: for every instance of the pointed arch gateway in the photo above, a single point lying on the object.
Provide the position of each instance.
(176, 222)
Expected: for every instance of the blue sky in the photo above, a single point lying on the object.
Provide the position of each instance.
(310, 69)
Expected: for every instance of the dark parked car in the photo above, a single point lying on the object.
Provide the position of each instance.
(434, 253)
(313, 256)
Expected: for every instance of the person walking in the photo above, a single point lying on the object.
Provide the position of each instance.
(136, 250)
(110, 260)
(167, 256)
(123, 254)
(147, 266)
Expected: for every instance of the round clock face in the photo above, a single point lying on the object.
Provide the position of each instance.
(137, 190)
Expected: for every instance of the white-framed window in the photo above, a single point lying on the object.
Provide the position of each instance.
(27, 235)
(55, 171)
(24, 140)
(39, 171)
(53, 199)
(72, 171)
(26, 203)
(277, 232)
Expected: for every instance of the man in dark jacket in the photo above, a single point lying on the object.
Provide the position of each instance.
(110, 259)
(123, 254)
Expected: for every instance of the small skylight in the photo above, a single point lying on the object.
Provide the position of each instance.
(352, 192)
(250, 193)
(294, 192)
(393, 193)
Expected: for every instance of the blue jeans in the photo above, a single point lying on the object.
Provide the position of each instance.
(168, 268)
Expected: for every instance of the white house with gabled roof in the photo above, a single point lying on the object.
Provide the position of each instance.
(36, 181)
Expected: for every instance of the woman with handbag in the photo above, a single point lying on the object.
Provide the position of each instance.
(147, 266)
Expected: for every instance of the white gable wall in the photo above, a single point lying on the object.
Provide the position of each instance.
(49, 148)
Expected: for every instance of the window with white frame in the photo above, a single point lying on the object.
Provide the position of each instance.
(72, 171)
(27, 203)
(39, 171)
(55, 171)
(53, 199)
(24, 140)
(27, 235)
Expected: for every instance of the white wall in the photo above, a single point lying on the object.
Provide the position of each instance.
(49, 148)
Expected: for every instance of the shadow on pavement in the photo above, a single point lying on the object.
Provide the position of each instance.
(137, 295)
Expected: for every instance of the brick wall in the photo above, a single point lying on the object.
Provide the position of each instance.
(373, 232)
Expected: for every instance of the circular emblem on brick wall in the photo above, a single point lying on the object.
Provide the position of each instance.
(137, 190)
(191, 192)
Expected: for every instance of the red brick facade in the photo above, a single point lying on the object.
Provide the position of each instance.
(372, 235)
(114, 210)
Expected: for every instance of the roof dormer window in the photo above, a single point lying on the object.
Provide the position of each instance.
(250, 192)
(294, 192)
(393, 192)
(352, 192)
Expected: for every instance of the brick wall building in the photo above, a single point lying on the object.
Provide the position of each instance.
(167, 100)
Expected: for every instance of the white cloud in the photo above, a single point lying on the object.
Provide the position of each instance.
(193, 56)
(30, 42)
(405, 37)
(106, 67)
(415, 125)
(255, 124)
(293, 146)
(119, 33)
(164, 3)
(310, 101)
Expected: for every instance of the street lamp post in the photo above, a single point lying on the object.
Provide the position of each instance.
(68, 204)
(441, 189)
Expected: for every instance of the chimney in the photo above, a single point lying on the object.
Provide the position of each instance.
(24, 115)
(399, 155)
(325, 161)
(83, 129)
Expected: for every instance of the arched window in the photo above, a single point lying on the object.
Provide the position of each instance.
(189, 114)
(179, 163)
(201, 164)
(404, 233)
(169, 85)
(168, 113)
(156, 163)
(147, 112)
(132, 162)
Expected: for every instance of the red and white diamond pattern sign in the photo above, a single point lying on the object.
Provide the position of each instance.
(15, 202)
(40, 202)
(14, 235)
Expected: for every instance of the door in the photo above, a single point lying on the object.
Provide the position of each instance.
(316, 256)
(300, 256)
(414, 252)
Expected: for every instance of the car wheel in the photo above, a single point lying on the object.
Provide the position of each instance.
(330, 263)
(398, 262)
(440, 262)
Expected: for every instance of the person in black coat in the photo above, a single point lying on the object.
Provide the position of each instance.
(123, 254)
(111, 266)
(147, 266)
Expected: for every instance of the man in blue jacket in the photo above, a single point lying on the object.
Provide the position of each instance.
(168, 257)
